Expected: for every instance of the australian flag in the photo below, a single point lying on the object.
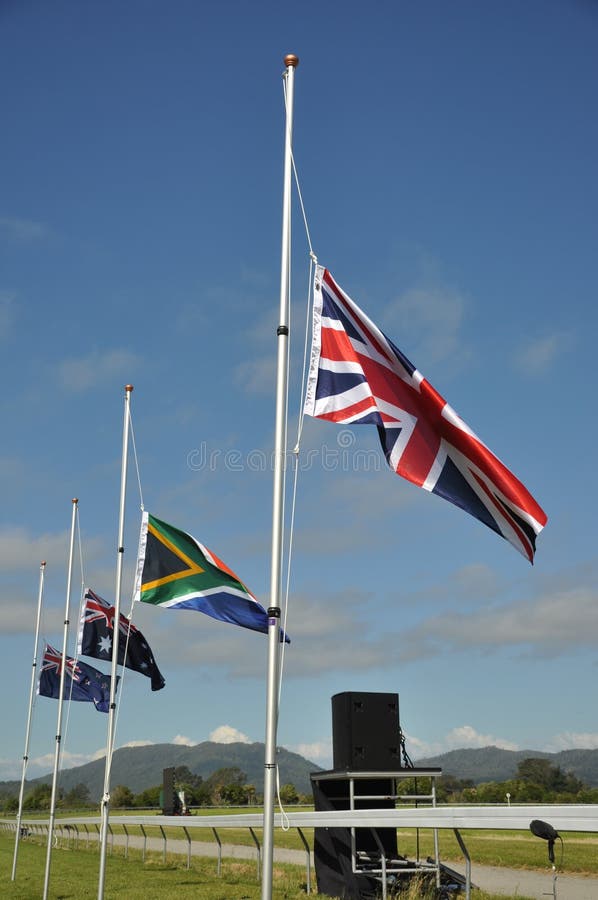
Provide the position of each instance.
(81, 682)
(96, 631)
(357, 376)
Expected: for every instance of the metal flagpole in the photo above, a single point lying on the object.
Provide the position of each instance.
(291, 62)
(115, 634)
(60, 702)
(42, 569)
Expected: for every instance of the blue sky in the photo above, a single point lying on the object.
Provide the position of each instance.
(447, 158)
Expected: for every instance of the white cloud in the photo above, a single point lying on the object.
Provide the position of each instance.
(467, 736)
(22, 229)
(539, 354)
(572, 740)
(239, 653)
(226, 734)
(96, 368)
(135, 744)
(461, 737)
(68, 760)
(257, 376)
(18, 548)
(432, 317)
(319, 752)
(556, 623)
(477, 581)
(183, 741)
(19, 552)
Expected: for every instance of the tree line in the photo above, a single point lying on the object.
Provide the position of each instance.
(536, 781)
(225, 787)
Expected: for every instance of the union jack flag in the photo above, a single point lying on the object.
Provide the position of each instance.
(99, 610)
(358, 376)
(52, 662)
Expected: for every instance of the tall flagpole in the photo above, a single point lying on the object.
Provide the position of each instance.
(115, 641)
(42, 569)
(60, 702)
(280, 446)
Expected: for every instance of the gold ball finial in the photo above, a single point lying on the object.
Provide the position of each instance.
(43, 562)
(75, 499)
(291, 60)
(128, 388)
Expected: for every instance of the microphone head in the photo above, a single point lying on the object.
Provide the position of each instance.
(543, 830)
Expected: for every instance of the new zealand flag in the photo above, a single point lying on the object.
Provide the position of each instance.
(96, 631)
(81, 682)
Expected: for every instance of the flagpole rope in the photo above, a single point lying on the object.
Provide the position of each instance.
(130, 418)
(295, 462)
(295, 458)
(299, 194)
(142, 507)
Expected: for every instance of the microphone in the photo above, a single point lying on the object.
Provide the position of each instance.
(545, 831)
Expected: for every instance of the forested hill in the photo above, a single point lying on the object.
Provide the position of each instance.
(495, 764)
(141, 767)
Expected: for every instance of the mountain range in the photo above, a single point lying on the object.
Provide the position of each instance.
(141, 767)
(496, 764)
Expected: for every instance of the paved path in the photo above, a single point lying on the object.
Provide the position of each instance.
(529, 883)
(511, 882)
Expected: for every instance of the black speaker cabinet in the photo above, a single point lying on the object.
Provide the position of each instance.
(365, 732)
(168, 793)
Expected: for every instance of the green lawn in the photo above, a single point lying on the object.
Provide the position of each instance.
(74, 876)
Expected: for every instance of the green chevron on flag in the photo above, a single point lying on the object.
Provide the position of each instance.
(175, 570)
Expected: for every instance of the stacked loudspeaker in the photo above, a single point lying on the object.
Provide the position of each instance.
(365, 732)
(365, 739)
(169, 797)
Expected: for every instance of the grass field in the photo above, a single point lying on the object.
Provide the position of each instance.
(74, 876)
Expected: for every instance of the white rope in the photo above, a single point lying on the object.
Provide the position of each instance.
(297, 185)
(295, 462)
(285, 824)
(135, 457)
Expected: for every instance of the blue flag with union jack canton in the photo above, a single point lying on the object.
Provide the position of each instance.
(81, 682)
(96, 634)
(358, 377)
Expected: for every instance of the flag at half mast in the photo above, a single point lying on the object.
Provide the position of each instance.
(359, 377)
(175, 571)
(96, 633)
(82, 682)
